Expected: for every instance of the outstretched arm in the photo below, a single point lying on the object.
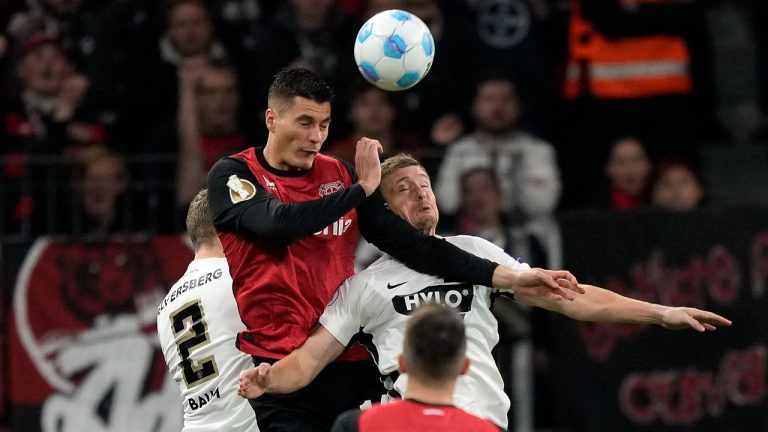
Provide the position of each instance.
(293, 372)
(601, 305)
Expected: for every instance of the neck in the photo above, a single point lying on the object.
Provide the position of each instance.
(273, 158)
(208, 250)
(436, 394)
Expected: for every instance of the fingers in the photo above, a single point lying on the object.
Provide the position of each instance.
(708, 317)
(252, 382)
(367, 164)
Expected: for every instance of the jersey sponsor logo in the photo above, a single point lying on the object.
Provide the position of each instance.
(337, 228)
(455, 296)
(329, 188)
(239, 189)
(393, 286)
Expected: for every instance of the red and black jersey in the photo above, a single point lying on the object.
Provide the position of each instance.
(410, 415)
(290, 236)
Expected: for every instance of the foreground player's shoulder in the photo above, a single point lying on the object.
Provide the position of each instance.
(485, 249)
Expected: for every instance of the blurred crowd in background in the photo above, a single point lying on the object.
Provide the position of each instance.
(114, 110)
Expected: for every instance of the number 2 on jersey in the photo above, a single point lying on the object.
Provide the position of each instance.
(191, 332)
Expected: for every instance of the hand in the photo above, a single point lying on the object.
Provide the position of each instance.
(254, 382)
(537, 282)
(72, 91)
(190, 71)
(678, 318)
(447, 129)
(368, 165)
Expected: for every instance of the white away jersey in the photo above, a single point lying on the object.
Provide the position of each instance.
(198, 323)
(379, 300)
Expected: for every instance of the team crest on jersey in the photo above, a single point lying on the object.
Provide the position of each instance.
(329, 188)
(239, 189)
(455, 296)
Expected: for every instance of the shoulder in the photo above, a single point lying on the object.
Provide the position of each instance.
(480, 247)
(234, 163)
(533, 142)
(468, 421)
(324, 163)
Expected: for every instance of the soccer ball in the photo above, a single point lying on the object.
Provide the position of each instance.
(394, 50)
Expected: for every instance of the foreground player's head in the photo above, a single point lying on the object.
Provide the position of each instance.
(199, 223)
(407, 189)
(297, 117)
(435, 345)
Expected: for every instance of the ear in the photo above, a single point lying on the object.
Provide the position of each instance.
(270, 116)
(401, 364)
(465, 366)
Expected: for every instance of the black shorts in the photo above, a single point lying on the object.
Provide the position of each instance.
(341, 386)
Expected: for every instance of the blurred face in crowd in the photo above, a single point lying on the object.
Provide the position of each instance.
(496, 107)
(105, 180)
(44, 70)
(408, 193)
(480, 197)
(628, 166)
(218, 101)
(372, 113)
(298, 128)
(63, 7)
(312, 14)
(189, 29)
(376, 6)
(677, 189)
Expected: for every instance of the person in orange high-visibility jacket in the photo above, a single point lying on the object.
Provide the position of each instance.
(626, 67)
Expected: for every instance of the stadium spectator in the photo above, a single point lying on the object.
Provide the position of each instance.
(627, 170)
(526, 166)
(312, 34)
(99, 183)
(375, 113)
(208, 123)
(189, 39)
(44, 116)
(676, 186)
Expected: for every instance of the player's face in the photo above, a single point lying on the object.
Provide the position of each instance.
(408, 193)
(297, 132)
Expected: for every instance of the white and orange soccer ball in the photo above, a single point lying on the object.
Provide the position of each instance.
(394, 50)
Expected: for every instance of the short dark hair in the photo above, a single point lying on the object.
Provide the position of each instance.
(435, 344)
(400, 160)
(199, 222)
(304, 83)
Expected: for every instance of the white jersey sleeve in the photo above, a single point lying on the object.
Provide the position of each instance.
(342, 315)
(197, 324)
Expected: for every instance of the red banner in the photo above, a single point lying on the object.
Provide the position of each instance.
(83, 349)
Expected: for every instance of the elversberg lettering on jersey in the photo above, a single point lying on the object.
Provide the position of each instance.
(197, 324)
(380, 299)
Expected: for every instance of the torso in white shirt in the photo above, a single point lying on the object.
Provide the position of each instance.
(380, 299)
(197, 324)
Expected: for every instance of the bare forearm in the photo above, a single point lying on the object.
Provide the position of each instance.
(601, 305)
(291, 374)
(190, 169)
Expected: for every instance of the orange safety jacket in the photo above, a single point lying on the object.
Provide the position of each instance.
(625, 68)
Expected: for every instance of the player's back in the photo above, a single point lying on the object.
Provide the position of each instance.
(197, 324)
(409, 415)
